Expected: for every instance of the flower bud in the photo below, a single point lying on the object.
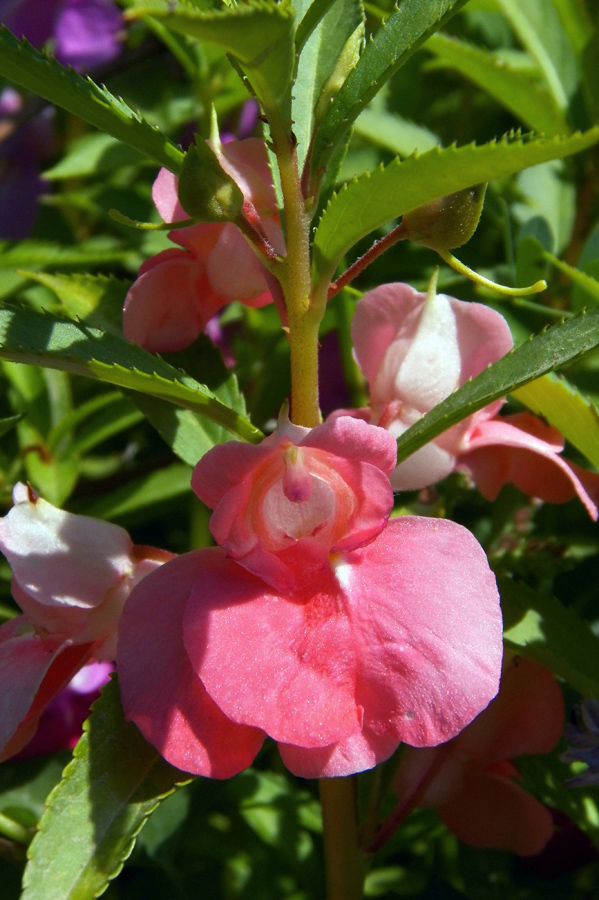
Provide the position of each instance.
(206, 192)
(447, 222)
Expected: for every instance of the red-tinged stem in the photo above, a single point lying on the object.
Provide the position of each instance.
(410, 801)
(344, 861)
(378, 248)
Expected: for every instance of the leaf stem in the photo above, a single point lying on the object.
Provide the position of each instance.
(463, 269)
(343, 859)
(14, 830)
(397, 234)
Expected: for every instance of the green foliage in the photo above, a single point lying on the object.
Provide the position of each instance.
(516, 89)
(406, 29)
(374, 199)
(553, 634)
(30, 337)
(259, 36)
(121, 442)
(108, 791)
(63, 87)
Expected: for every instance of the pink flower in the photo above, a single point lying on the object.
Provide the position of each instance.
(415, 351)
(179, 290)
(71, 576)
(315, 622)
(471, 781)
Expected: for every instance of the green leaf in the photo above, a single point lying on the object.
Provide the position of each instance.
(42, 339)
(562, 406)
(538, 26)
(550, 633)
(390, 131)
(397, 39)
(540, 354)
(9, 423)
(23, 65)
(515, 89)
(374, 199)
(318, 60)
(94, 299)
(115, 781)
(95, 251)
(141, 493)
(93, 154)
(260, 37)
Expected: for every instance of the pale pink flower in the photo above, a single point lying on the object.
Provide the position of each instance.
(415, 351)
(386, 633)
(71, 576)
(471, 781)
(180, 289)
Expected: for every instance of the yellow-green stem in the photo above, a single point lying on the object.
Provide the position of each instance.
(344, 861)
(295, 281)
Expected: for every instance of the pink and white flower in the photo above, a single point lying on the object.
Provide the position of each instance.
(71, 576)
(415, 350)
(315, 622)
(181, 288)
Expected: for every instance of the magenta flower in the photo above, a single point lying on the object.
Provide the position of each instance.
(71, 576)
(84, 33)
(61, 723)
(414, 351)
(471, 781)
(315, 622)
(179, 290)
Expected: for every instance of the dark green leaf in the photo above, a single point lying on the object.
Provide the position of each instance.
(406, 29)
(41, 339)
(552, 634)
(530, 101)
(374, 199)
(23, 65)
(115, 781)
(258, 35)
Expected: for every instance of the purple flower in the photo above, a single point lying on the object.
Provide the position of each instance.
(22, 148)
(61, 723)
(84, 33)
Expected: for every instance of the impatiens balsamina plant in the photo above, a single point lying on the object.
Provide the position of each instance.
(303, 502)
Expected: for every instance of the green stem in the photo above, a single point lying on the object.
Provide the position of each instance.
(14, 831)
(343, 858)
(303, 319)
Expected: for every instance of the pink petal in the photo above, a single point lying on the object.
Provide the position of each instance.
(160, 691)
(247, 163)
(267, 659)
(32, 671)
(390, 314)
(233, 269)
(407, 634)
(60, 559)
(523, 450)
(344, 501)
(353, 439)
(163, 311)
(427, 624)
(354, 754)
(492, 811)
(527, 716)
(165, 197)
